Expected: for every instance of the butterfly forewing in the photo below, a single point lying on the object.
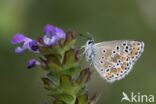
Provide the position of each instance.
(115, 59)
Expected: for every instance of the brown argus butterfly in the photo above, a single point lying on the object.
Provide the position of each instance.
(113, 59)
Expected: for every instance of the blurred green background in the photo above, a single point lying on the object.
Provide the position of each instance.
(104, 19)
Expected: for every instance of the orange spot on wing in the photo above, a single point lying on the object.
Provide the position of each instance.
(108, 75)
(123, 58)
(115, 72)
(130, 55)
(122, 54)
(135, 48)
(135, 43)
(123, 67)
(125, 63)
(119, 69)
(133, 52)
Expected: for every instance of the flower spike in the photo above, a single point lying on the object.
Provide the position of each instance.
(65, 79)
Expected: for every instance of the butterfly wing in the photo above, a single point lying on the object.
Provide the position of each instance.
(115, 59)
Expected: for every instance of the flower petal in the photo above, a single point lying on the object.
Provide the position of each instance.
(19, 50)
(18, 38)
(60, 33)
(49, 40)
(31, 63)
(37, 51)
(52, 35)
(34, 45)
(49, 30)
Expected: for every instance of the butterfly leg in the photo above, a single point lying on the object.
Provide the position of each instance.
(91, 63)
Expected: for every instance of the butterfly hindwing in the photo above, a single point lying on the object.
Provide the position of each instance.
(115, 59)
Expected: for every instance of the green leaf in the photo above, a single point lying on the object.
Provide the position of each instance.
(73, 72)
(47, 83)
(53, 77)
(54, 62)
(54, 49)
(68, 99)
(83, 99)
(68, 86)
(54, 92)
(83, 77)
(69, 59)
(59, 102)
(61, 42)
(69, 41)
(82, 90)
(66, 82)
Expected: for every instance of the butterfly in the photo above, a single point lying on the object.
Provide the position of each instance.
(113, 60)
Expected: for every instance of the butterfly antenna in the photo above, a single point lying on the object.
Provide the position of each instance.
(81, 35)
(82, 47)
(90, 36)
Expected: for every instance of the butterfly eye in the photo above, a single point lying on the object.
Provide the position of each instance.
(89, 42)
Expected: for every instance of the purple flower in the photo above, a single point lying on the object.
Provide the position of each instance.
(34, 45)
(31, 45)
(52, 35)
(32, 63)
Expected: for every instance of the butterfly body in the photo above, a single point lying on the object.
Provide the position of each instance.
(113, 59)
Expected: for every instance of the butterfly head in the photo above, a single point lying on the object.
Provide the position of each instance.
(89, 43)
(90, 40)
